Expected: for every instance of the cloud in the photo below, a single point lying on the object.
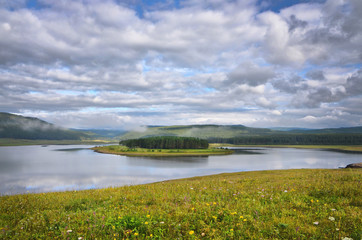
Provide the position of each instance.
(192, 62)
(250, 74)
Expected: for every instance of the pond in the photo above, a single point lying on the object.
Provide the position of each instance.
(74, 167)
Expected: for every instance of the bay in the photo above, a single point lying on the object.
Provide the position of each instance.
(28, 169)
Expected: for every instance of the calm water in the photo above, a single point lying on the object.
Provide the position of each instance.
(58, 168)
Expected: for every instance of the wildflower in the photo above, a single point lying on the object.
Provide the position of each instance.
(214, 203)
(203, 234)
(162, 222)
(285, 190)
(151, 235)
(146, 223)
(337, 229)
(241, 217)
(148, 216)
(113, 227)
(69, 231)
(231, 230)
(136, 234)
(311, 200)
(245, 220)
(214, 217)
(315, 223)
(333, 209)
(233, 213)
(80, 238)
(191, 232)
(331, 218)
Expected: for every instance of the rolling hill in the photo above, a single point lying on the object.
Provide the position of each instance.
(19, 127)
(200, 131)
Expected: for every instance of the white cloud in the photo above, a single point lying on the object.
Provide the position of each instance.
(204, 62)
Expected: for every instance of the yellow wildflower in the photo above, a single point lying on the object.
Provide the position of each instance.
(191, 232)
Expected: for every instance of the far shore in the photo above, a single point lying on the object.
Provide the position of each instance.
(27, 142)
(340, 148)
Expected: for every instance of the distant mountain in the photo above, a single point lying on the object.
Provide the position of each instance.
(329, 130)
(19, 127)
(106, 134)
(200, 131)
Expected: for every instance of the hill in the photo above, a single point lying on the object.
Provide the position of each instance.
(102, 134)
(242, 135)
(200, 131)
(353, 130)
(19, 127)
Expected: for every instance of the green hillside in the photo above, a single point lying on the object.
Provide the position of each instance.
(200, 131)
(19, 127)
(346, 130)
(242, 135)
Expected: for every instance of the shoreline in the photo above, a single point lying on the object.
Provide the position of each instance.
(182, 153)
(339, 148)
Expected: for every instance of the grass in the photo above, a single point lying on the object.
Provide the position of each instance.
(283, 204)
(23, 142)
(122, 150)
(345, 148)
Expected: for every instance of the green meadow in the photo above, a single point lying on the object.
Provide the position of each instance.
(24, 142)
(343, 148)
(282, 204)
(123, 150)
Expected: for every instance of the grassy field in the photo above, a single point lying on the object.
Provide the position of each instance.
(283, 204)
(345, 148)
(122, 150)
(23, 142)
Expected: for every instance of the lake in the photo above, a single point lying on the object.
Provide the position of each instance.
(74, 167)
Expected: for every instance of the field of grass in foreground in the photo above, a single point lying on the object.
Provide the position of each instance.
(123, 150)
(283, 204)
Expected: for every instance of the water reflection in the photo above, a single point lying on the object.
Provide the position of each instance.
(58, 168)
(168, 162)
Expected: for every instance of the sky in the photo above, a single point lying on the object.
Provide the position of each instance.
(121, 64)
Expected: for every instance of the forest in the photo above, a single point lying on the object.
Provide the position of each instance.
(294, 139)
(166, 142)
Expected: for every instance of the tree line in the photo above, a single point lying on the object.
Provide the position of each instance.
(294, 139)
(166, 142)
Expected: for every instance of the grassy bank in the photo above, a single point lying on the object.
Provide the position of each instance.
(345, 148)
(122, 150)
(25, 142)
(287, 204)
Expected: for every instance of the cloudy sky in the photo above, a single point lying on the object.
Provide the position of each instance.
(127, 63)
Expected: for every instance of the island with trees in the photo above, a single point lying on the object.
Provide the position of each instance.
(163, 146)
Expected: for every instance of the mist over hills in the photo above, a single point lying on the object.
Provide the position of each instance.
(200, 131)
(20, 127)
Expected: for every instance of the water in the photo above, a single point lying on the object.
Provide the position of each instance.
(58, 168)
